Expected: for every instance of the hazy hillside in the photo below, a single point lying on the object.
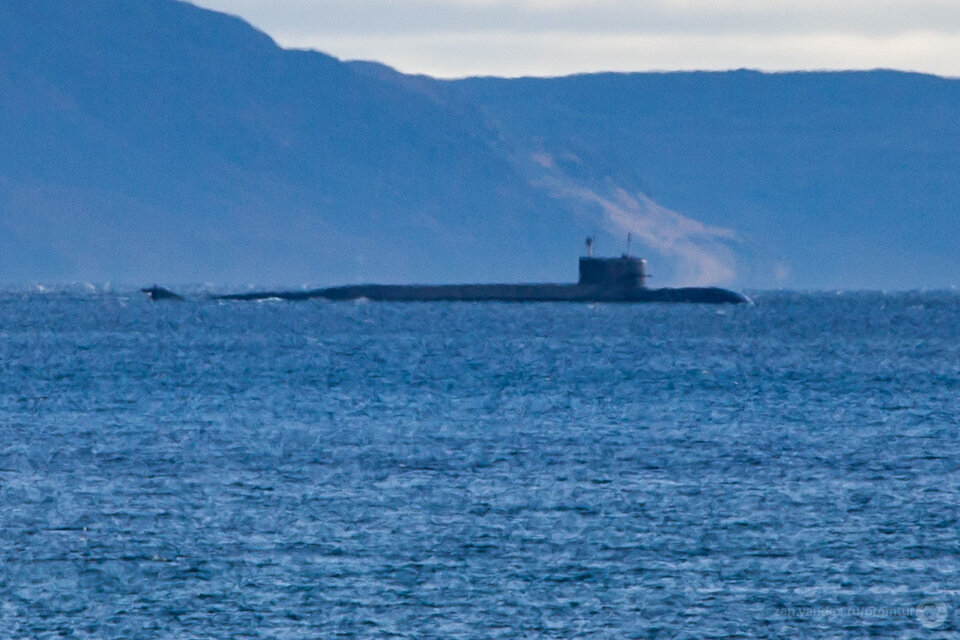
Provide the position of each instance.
(151, 140)
(828, 179)
(147, 139)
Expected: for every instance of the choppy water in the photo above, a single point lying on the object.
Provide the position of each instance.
(295, 470)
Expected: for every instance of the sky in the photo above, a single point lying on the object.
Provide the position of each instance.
(455, 38)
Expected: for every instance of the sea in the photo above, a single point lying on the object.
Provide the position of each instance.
(206, 469)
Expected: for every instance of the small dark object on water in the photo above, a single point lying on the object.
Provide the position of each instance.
(159, 293)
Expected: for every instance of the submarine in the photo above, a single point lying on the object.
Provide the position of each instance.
(615, 279)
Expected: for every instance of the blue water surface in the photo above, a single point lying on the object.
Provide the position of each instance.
(479, 470)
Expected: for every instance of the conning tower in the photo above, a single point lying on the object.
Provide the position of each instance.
(625, 272)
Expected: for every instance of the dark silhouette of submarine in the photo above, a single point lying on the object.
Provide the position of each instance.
(620, 279)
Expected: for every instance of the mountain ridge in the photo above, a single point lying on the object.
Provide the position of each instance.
(154, 140)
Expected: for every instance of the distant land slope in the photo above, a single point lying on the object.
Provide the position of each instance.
(832, 179)
(150, 140)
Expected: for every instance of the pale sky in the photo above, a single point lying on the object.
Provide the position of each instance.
(453, 38)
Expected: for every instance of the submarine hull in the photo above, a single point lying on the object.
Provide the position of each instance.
(504, 293)
(620, 279)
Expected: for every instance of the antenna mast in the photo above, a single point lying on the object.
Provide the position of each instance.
(629, 238)
(589, 247)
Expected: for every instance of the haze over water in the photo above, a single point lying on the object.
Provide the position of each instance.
(317, 469)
